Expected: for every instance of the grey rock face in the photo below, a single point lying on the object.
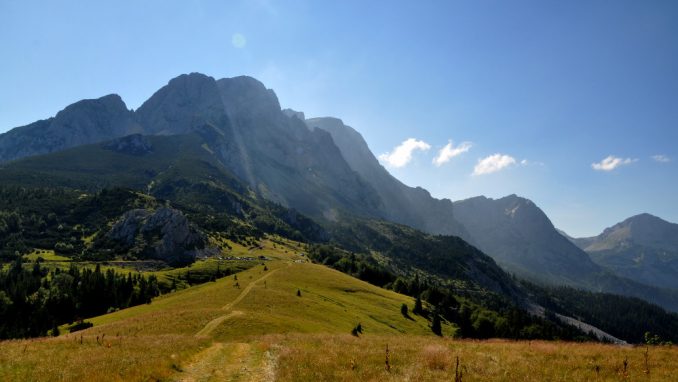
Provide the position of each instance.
(279, 157)
(412, 206)
(244, 128)
(164, 234)
(296, 114)
(86, 121)
(186, 102)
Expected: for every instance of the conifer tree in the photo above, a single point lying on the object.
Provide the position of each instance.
(418, 308)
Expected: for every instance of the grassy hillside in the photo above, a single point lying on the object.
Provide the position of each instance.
(261, 330)
(178, 331)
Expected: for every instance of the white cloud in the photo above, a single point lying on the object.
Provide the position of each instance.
(526, 162)
(611, 162)
(493, 163)
(402, 154)
(449, 151)
(238, 40)
(661, 158)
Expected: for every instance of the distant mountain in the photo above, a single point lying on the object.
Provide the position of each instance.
(523, 240)
(642, 248)
(413, 206)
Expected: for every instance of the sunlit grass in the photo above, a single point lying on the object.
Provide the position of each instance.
(45, 254)
(414, 358)
(115, 358)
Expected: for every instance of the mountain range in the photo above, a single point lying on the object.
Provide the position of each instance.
(233, 131)
(643, 248)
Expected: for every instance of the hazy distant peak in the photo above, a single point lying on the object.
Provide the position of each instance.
(339, 131)
(328, 121)
(645, 218)
(643, 229)
(296, 114)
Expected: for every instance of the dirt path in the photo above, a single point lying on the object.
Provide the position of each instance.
(210, 326)
(248, 289)
(228, 362)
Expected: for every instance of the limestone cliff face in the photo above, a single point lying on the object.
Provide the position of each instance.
(185, 103)
(86, 121)
(243, 127)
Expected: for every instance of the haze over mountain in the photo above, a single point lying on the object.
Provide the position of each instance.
(523, 240)
(643, 248)
(412, 206)
(276, 155)
(317, 166)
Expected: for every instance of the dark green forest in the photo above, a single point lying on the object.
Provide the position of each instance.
(623, 317)
(36, 300)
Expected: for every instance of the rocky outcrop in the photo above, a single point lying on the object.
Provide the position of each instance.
(164, 234)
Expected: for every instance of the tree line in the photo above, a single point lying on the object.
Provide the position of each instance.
(35, 300)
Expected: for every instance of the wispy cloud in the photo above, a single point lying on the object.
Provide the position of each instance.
(449, 151)
(526, 162)
(402, 154)
(493, 163)
(611, 162)
(661, 158)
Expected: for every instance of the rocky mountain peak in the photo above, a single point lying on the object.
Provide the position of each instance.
(644, 229)
(86, 121)
(187, 101)
(245, 94)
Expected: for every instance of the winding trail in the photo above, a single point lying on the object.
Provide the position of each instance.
(230, 361)
(210, 326)
(248, 288)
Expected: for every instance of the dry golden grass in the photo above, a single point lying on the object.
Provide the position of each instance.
(115, 358)
(416, 358)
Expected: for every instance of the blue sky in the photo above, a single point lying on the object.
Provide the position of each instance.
(551, 86)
